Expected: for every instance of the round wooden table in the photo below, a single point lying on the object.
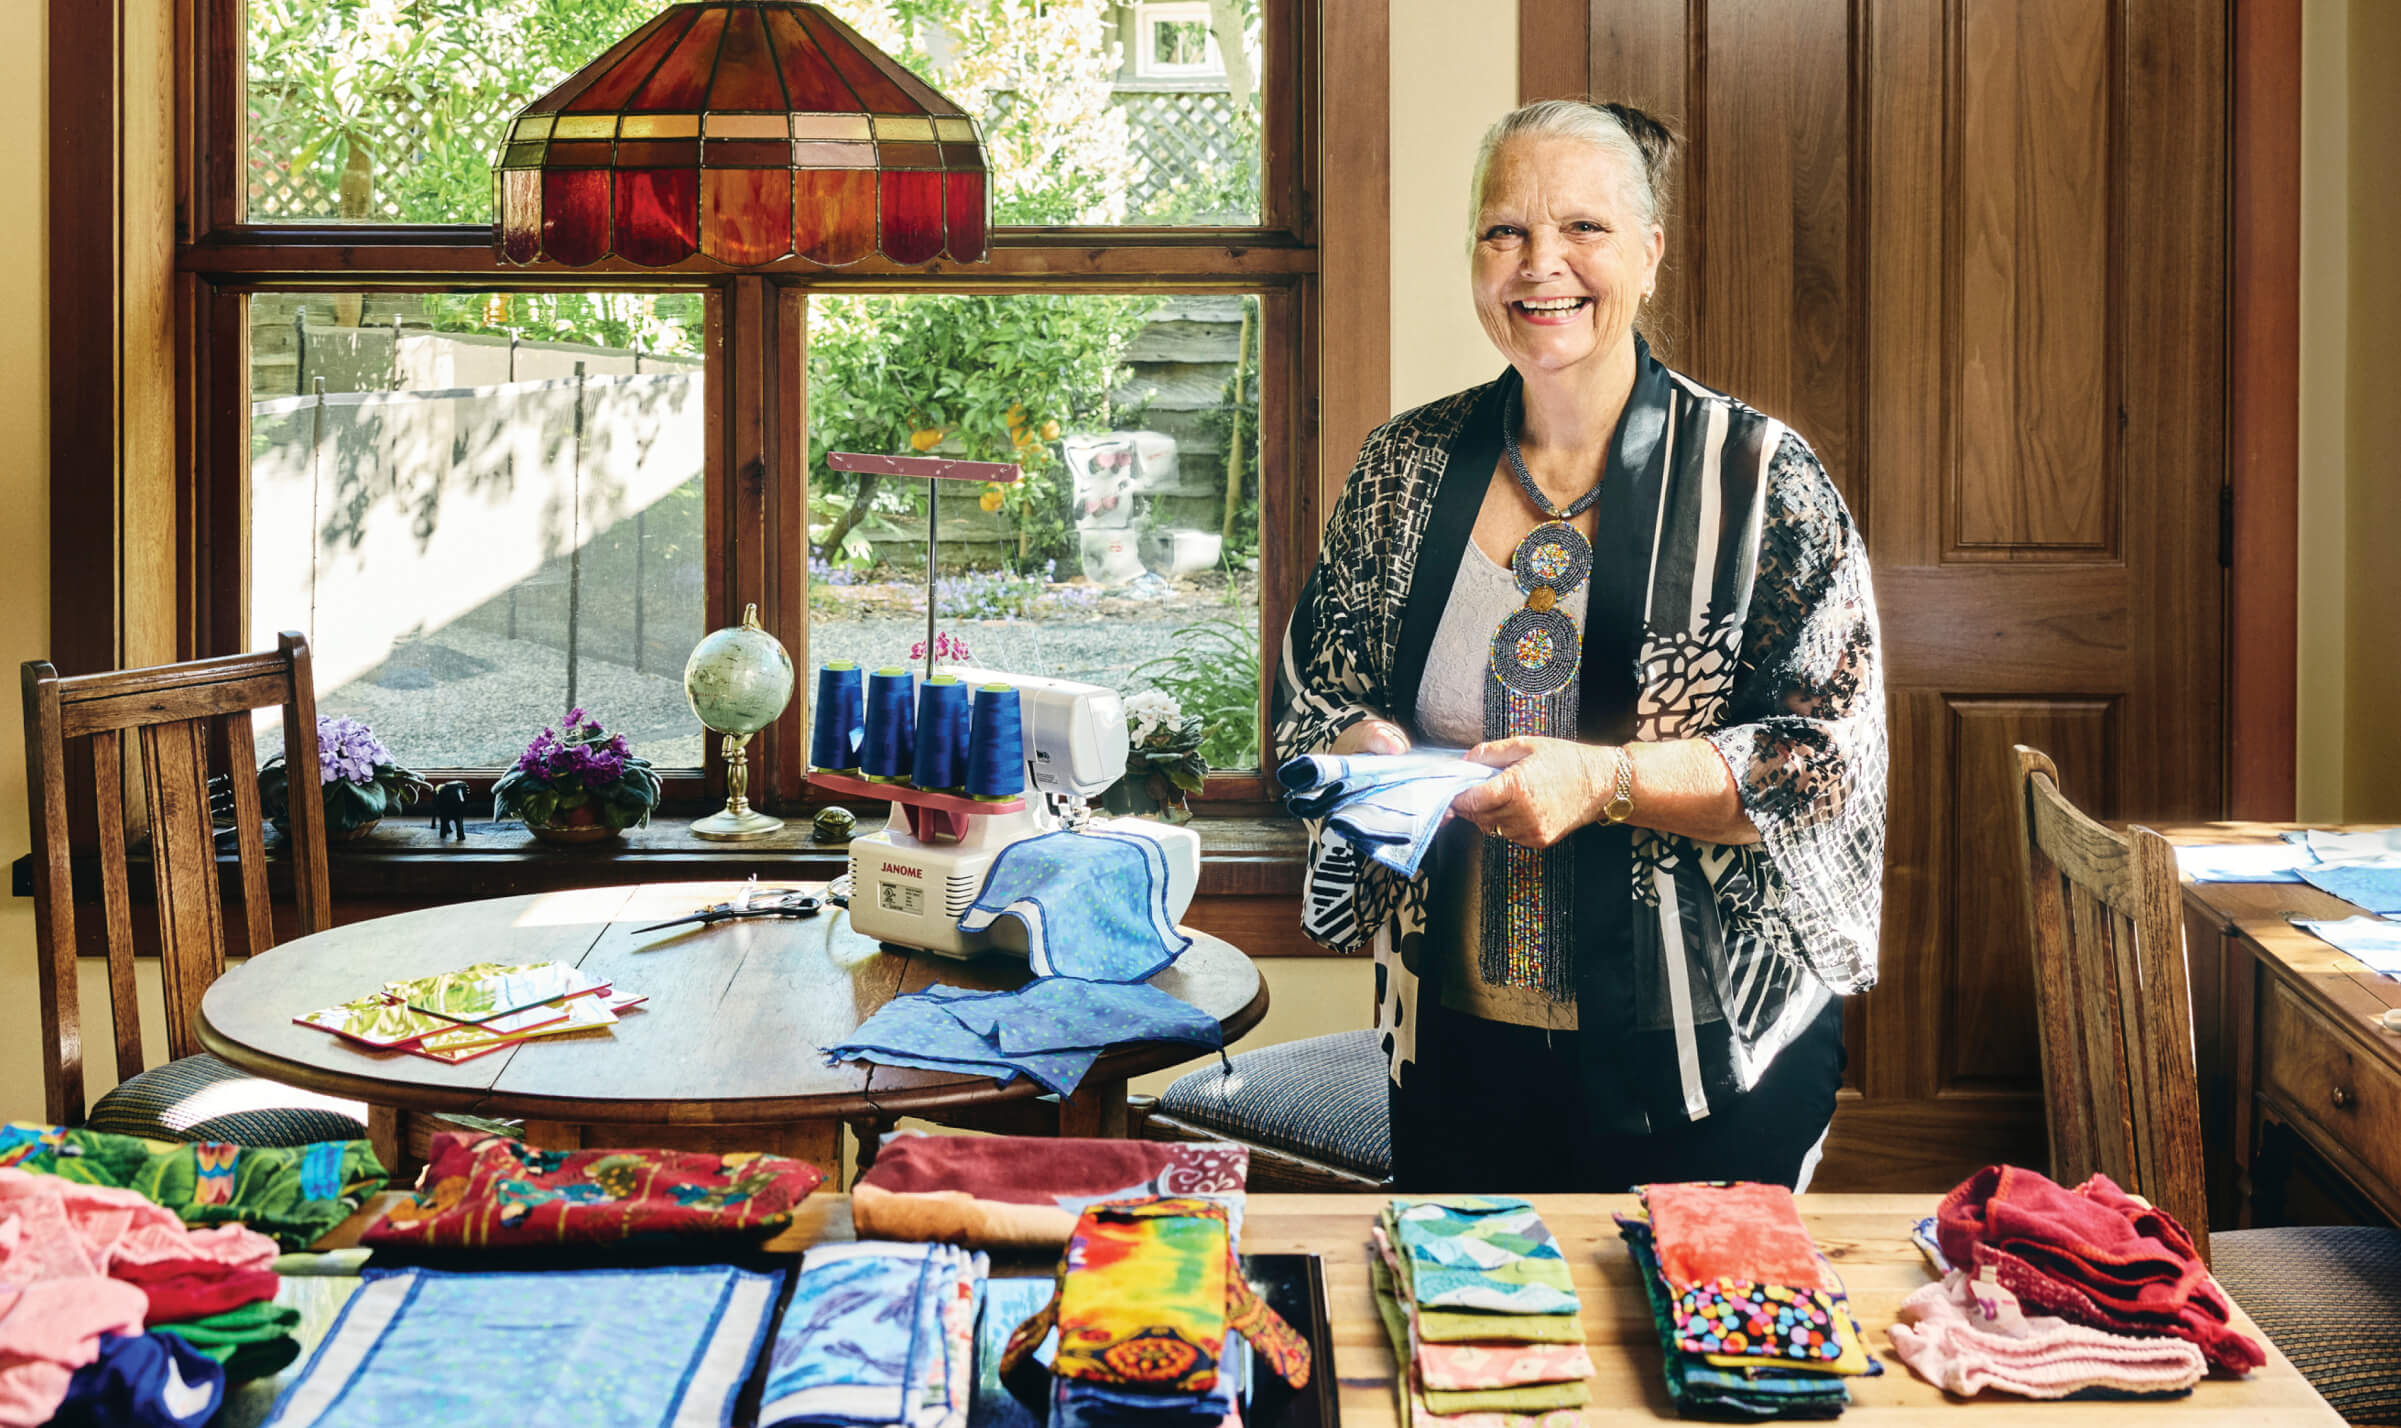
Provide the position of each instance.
(725, 1055)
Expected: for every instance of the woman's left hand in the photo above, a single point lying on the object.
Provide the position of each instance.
(1545, 790)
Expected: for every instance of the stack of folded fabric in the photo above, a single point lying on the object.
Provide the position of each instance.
(293, 1193)
(1025, 1192)
(2093, 1255)
(1966, 1335)
(490, 1190)
(1481, 1312)
(113, 1310)
(1154, 1324)
(1752, 1321)
(877, 1333)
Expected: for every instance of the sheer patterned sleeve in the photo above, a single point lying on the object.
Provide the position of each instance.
(1330, 675)
(1806, 740)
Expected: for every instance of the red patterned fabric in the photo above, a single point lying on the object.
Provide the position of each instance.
(2094, 1255)
(491, 1190)
(1742, 1231)
(194, 1289)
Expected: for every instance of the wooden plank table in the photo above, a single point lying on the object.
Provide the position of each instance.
(727, 1053)
(1867, 1237)
(2289, 1036)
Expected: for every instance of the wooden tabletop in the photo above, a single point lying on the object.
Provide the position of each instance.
(731, 1034)
(1867, 1237)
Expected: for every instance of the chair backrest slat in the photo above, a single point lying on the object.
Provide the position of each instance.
(174, 712)
(116, 899)
(2106, 915)
(250, 837)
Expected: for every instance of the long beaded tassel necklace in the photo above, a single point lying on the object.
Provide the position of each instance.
(1536, 653)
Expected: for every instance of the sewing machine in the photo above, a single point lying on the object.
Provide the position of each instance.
(912, 882)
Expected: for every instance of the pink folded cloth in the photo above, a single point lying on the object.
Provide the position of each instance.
(1474, 1364)
(68, 1228)
(49, 1330)
(1966, 1335)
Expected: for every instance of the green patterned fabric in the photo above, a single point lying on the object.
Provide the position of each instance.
(203, 1098)
(293, 1193)
(2328, 1296)
(253, 1341)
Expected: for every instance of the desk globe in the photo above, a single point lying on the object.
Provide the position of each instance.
(739, 679)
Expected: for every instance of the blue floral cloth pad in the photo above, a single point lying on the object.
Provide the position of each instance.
(1389, 806)
(561, 1349)
(877, 1333)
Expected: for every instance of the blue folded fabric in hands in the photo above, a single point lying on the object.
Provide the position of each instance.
(1386, 805)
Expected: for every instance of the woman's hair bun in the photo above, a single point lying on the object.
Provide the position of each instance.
(1657, 142)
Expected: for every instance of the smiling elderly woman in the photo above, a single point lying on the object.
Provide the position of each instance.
(1645, 603)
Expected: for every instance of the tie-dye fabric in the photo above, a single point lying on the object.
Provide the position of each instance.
(1481, 1252)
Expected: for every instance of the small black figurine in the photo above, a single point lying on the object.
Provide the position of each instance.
(450, 810)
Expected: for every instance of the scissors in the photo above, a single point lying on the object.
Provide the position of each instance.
(747, 903)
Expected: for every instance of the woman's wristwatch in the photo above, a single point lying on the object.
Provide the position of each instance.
(1620, 806)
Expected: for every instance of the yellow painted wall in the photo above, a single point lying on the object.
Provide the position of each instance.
(2371, 625)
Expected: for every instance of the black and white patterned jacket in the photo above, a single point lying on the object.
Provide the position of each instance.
(1743, 614)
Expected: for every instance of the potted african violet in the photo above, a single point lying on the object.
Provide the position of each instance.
(583, 786)
(356, 775)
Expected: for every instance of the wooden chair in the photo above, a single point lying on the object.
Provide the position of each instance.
(2106, 914)
(159, 721)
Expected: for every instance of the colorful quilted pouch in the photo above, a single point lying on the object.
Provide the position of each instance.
(1147, 1290)
(294, 1193)
(1481, 1252)
(490, 1190)
(1745, 1282)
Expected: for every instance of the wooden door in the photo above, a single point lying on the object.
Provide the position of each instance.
(1974, 251)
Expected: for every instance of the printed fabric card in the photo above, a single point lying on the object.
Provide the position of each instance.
(1481, 1252)
(491, 1190)
(487, 990)
(1479, 1365)
(637, 1348)
(877, 1333)
(997, 1191)
(1746, 1283)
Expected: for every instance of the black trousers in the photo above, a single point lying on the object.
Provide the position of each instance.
(1503, 1111)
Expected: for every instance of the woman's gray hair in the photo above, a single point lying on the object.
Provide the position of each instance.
(1646, 147)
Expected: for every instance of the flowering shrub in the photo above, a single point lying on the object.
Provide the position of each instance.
(944, 648)
(355, 774)
(581, 777)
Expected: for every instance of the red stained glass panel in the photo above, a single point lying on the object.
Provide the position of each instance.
(912, 211)
(963, 206)
(608, 88)
(746, 77)
(658, 215)
(746, 215)
(833, 215)
(575, 215)
(811, 82)
(681, 82)
(878, 94)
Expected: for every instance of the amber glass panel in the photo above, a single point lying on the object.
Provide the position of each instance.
(575, 215)
(745, 69)
(875, 92)
(912, 210)
(745, 215)
(909, 156)
(681, 82)
(1118, 559)
(659, 153)
(474, 537)
(963, 208)
(808, 79)
(658, 215)
(834, 215)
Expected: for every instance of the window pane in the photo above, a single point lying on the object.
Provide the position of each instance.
(483, 509)
(1119, 559)
(389, 110)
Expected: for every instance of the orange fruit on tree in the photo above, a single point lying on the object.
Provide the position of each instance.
(925, 438)
(991, 499)
(1050, 431)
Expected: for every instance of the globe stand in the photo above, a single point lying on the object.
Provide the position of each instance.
(737, 820)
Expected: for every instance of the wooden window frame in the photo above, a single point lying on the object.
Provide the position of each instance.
(755, 349)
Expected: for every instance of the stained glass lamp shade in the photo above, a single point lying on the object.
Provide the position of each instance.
(747, 131)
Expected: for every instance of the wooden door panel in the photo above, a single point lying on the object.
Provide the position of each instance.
(2030, 276)
(1973, 250)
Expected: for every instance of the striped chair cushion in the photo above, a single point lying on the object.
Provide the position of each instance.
(1323, 1098)
(202, 1098)
(2330, 1298)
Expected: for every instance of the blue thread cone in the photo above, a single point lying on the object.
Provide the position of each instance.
(891, 724)
(841, 718)
(942, 723)
(996, 745)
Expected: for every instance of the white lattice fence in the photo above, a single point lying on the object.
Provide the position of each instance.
(282, 187)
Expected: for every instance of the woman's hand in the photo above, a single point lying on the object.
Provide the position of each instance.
(1371, 736)
(1545, 790)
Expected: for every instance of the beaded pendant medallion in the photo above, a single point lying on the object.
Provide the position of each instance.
(1536, 654)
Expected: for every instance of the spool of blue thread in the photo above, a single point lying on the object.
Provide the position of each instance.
(841, 719)
(891, 725)
(996, 745)
(942, 724)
